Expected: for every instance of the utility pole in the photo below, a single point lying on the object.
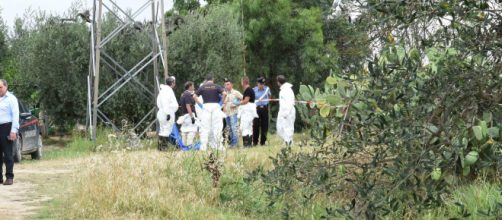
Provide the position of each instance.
(243, 33)
(97, 48)
(164, 40)
(155, 48)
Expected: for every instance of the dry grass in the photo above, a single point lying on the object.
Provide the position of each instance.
(158, 185)
(148, 184)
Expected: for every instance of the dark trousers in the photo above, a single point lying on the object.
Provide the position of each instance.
(260, 126)
(6, 148)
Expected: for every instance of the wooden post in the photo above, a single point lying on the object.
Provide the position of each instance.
(96, 72)
(155, 46)
(243, 41)
(164, 39)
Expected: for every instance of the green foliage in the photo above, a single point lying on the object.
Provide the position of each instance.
(481, 200)
(185, 6)
(5, 54)
(3, 45)
(209, 2)
(21, 62)
(324, 5)
(285, 40)
(207, 43)
(79, 146)
(404, 131)
(51, 67)
(350, 41)
(60, 87)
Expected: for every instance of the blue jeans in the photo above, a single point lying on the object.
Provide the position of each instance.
(232, 130)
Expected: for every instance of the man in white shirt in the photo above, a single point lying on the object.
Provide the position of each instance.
(167, 105)
(287, 112)
(9, 126)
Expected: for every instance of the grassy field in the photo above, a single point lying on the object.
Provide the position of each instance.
(147, 184)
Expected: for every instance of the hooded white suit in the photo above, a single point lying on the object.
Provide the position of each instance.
(168, 105)
(287, 113)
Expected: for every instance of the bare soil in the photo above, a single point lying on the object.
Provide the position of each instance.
(35, 183)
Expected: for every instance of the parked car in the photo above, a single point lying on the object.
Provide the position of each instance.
(29, 140)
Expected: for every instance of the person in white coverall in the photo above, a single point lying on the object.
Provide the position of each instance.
(167, 105)
(247, 113)
(287, 112)
(210, 114)
(188, 120)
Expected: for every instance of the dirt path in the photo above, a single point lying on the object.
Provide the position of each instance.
(35, 183)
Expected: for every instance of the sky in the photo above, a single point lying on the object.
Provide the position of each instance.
(10, 9)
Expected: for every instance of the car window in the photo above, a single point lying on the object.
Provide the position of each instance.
(22, 108)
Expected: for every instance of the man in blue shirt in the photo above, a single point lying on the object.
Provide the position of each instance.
(9, 125)
(260, 124)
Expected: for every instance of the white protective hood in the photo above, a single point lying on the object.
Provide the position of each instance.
(166, 100)
(286, 99)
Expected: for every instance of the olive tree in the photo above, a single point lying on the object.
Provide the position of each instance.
(207, 42)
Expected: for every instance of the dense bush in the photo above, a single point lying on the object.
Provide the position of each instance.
(422, 116)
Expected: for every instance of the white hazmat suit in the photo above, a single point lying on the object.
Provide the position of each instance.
(188, 129)
(287, 113)
(211, 118)
(198, 109)
(168, 105)
(247, 113)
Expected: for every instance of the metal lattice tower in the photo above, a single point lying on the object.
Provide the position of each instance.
(100, 58)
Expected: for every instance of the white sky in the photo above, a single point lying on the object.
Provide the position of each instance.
(10, 9)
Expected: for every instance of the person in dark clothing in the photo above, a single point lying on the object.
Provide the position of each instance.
(186, 101)
(187, 120)
(248, 92)
(211, 115)
(247, 113)
(260, 124)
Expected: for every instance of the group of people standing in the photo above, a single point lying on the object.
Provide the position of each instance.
(209, 108)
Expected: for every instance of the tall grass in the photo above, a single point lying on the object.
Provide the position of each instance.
(148, 184)
(154, 185)
(79, 146)
(479, 196)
